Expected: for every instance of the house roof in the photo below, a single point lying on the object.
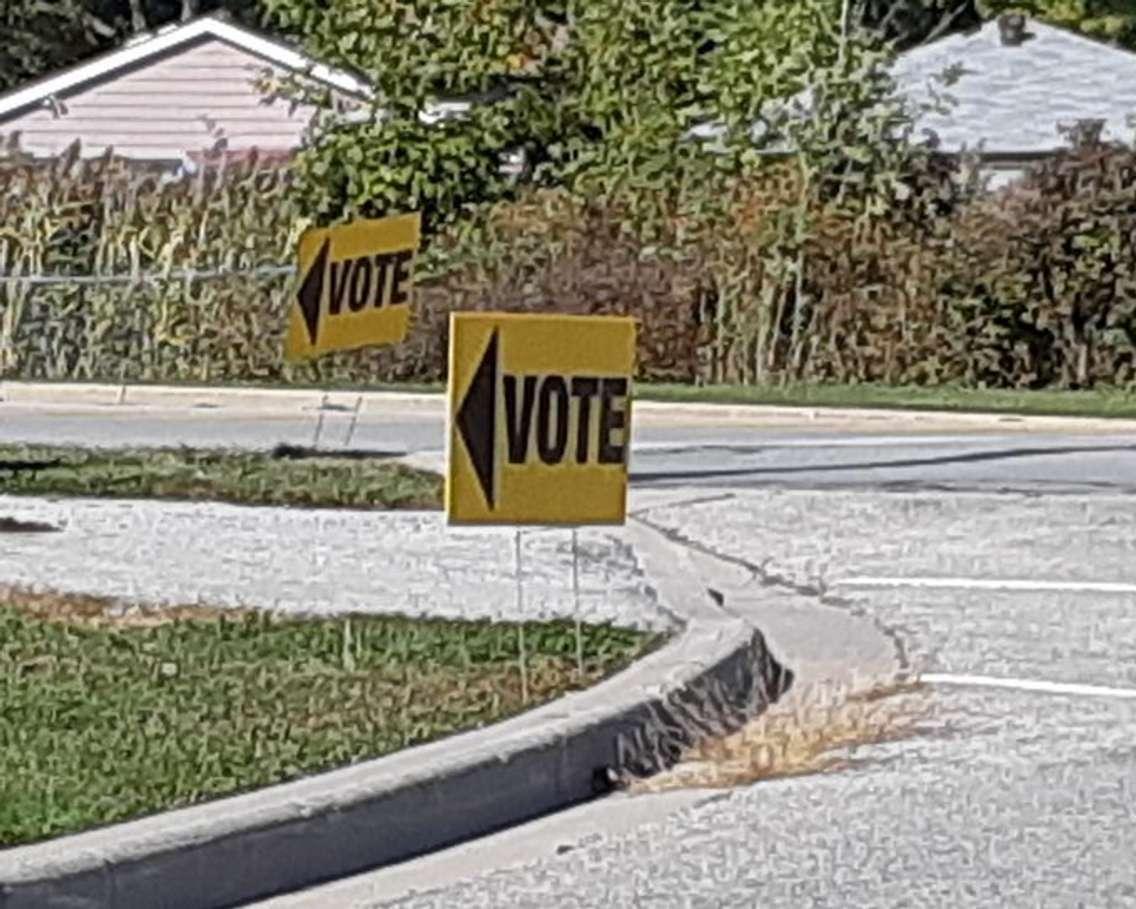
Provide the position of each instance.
(163, 41)
(1014, 97)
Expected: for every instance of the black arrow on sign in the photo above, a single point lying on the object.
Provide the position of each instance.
(477, 419)
(311, 291)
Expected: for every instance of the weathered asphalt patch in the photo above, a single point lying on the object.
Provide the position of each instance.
(15, 525)
(321, 561)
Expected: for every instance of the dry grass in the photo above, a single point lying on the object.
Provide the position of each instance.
(85, 610)
(803, 735)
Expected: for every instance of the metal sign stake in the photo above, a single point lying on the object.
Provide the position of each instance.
(576, 603)
(319, 422)
(521, 622)
(354, 420)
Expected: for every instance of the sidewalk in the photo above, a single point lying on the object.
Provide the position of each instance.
(266, 402)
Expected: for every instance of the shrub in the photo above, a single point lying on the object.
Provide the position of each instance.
(1030, 287)
(1040, 289)
(99, 219)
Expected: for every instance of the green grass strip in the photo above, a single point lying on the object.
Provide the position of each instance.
(243, 477)
(1088, 403)
(106, 720)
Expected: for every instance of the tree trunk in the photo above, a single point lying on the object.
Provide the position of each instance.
(137, 17)
(796, 341)
(793, 360)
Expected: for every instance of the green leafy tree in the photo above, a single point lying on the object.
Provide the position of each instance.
(396, 153)
(1106, 20)
(39, 37)
(912, 22)
(909, 23)
(599, 95)
(45, 35)
(843, 173)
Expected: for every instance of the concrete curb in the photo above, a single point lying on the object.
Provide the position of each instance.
(275, 400)
(291, 401)
(715, 675)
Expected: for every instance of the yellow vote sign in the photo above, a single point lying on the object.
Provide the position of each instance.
(355, 286)
(540, 418)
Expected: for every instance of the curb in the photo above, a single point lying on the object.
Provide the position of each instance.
(288, 400)
(715, 675)
(280, 400)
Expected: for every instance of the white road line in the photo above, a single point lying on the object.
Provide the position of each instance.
(985, 681)
(788, 440)
(989, 584)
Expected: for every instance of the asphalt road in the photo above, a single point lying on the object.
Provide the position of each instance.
(1017, 789)
(665, 454)
(1017, 795)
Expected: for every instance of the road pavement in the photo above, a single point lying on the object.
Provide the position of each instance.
(322, 561)
(1003, 795)
(668, 451)
(1000, 559)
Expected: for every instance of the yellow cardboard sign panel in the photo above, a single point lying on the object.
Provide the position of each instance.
(540, 418)
(355, 286)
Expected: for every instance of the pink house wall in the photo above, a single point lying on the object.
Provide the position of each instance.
(168, 108)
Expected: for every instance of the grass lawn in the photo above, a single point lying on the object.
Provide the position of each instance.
(286, 476)
(1092, 403)
(108, 715)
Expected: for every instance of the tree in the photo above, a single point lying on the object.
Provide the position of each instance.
(1106, 20)
(144, 14)
(40, 37)
(909, 23)
(45, 35)
(600, 95)
(394, 154)
(858, 173)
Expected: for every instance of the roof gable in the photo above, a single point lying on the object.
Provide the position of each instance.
(1014, 97)
(162, 43)
(200, 97)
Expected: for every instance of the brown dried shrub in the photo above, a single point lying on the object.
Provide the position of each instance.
(1039, 289)
(1029, 287)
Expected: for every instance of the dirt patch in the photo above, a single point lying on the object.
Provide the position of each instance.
(805, 738)
(94, 611)
(14, 525)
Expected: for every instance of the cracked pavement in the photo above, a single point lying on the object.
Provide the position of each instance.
(1000, 797)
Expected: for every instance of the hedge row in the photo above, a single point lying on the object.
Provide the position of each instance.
(1034, 286)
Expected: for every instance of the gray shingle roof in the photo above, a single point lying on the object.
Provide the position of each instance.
(1014, 97)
